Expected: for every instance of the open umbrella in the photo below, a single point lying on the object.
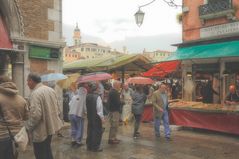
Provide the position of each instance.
(70, 81)
(140, 80)
(97, 76)
(53, 77)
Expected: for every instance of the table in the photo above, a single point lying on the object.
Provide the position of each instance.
(219, 121)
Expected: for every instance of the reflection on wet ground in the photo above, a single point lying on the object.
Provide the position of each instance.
(185, 144)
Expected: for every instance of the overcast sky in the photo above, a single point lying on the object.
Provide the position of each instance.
(112, 21)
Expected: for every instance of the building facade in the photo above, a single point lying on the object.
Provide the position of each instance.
(157, 56)
(31, 39)
(210, 30)
(85, 50)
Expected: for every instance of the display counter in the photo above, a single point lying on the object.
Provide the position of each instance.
(222, 118)
(216, 117)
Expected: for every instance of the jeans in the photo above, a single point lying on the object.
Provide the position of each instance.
(6, 149)
(77, 128)
(137, 123)
(42, 150)
(165, 119)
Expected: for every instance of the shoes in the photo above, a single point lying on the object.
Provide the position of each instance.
(74, 144)
(157, 135)
(168, 139)
(59, 135)
(116, 141)
(136, 135)
(97, 150)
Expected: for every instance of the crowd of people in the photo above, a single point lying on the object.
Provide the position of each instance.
(118, 104)
(98, 102)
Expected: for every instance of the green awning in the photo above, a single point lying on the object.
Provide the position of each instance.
(216, 50)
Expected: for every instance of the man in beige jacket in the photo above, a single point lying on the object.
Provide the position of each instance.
(44, 117)
(160, 107)
(13, 112)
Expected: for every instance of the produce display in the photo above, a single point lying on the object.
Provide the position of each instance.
(199, 106)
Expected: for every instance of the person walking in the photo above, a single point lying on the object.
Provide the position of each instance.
(160, 108)
(44, 117)
(76, 116)
(13, 112)
(95, 118)
(114, 112)
(127, 100)
(139, 99)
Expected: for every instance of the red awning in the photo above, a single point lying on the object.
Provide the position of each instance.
(5, 41)
(162, 69)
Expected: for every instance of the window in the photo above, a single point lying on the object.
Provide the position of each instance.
(82, 49)
(88, 49)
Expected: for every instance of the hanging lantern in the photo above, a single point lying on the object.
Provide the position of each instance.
(139, 17)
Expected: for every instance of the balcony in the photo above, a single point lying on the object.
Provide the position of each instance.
(215, 9)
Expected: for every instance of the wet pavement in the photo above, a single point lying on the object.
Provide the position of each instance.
(185, 144)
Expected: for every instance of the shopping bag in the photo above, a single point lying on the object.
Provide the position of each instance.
(21, 139)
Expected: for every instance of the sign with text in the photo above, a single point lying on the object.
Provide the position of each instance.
(218, 30)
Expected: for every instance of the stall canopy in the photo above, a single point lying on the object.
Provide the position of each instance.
(130, 62)
(216, 50)
(162, 69)
(5, 42)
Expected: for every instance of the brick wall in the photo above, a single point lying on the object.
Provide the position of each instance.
(191, 21)
(35, 18)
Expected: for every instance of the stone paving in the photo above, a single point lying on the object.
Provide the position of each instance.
(185, 144)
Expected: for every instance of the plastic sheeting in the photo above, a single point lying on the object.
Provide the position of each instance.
(222, 122)
(216, 50)
(162, 69)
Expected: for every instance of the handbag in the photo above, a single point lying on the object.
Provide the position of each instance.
(14, 143)
(22, 139)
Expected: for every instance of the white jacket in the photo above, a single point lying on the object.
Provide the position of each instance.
(78, 103)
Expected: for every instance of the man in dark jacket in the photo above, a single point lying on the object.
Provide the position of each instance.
(95, 118)
(114, 112)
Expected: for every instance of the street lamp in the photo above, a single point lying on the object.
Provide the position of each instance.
(139, 15)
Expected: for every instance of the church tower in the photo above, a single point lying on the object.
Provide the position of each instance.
(77, 36)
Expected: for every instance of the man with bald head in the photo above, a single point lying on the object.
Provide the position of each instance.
(232, 98)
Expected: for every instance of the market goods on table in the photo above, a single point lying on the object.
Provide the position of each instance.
(199, 106)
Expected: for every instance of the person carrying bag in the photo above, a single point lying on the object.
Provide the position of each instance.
(12, 145)
(13, 111)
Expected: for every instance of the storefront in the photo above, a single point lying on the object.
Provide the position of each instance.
(208, 70)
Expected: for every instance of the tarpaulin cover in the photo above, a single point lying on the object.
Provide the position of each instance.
(223, 122)
(162, 69)
(4, 38)
(216, 50)
(147, 115)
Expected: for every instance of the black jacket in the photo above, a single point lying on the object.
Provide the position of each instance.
(114, 100)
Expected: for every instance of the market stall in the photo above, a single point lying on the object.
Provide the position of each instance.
(216, 117)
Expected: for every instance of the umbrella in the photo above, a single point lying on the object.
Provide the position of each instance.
(97, 76)
(53, 77)
(69, 82)
(140, 80)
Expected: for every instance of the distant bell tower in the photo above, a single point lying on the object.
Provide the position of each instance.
(77, 36)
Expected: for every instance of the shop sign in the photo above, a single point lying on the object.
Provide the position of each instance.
(43, 52)
(218, 30)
